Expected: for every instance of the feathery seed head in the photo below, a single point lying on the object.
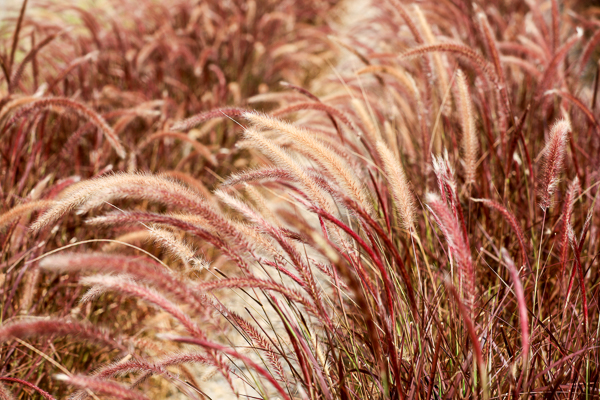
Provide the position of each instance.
(399, 186)
(176, 246)
(320, 152)
(553, 157)
(470, 143)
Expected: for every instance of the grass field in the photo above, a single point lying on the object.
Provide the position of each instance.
(299, 199)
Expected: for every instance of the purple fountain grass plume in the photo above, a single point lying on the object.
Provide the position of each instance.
(187, 217)
(124, 366)
(258, 175)
(447, 185)
(459, 249)
(149, 187)
(285, 161)
(22, 210)
(470, 144)
(95, 292)
(399, 186)
(129, 287)
(177, 246)
(197, 119)
(145, 270)
(84, 111)
(108, 388)
(96, 192)
(262, 244)
(53, 327)
(539, 31)
(567, 228)
(37, 192)
(522, 306)
(260, 203)
(445, 177)
(320, 153)
(30, 283)
(262, 344)
(345, 150)
(231, 250)
(553, 156)
(106, 188)
(183, 358)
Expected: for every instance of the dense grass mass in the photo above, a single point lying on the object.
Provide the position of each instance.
(299, 203)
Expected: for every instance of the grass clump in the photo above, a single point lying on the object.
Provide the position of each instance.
(422, 225)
